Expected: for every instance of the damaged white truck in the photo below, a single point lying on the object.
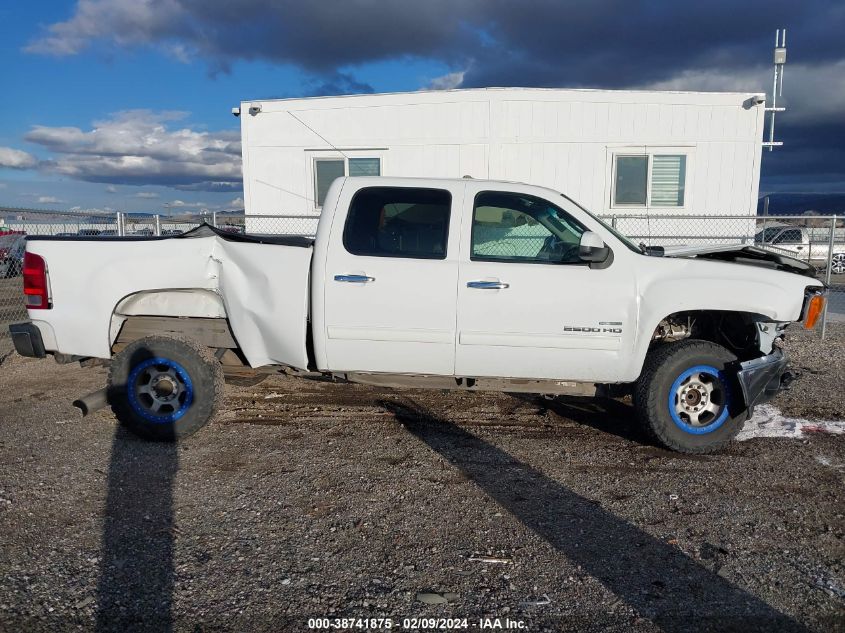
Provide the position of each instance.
(448, 284)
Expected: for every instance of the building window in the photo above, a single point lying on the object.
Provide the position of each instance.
(656, 180)
(365, 167)
(326, 170)
(631, 180)
(668, 174)
(398, 222)
(325, 173)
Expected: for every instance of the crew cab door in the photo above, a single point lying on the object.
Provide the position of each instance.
(390, 277)
(528, 307)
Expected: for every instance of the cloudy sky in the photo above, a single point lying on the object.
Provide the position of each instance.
(125, 104)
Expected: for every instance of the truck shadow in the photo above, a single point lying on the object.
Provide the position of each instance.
(135, 588)
(654, 578)
(603, 414)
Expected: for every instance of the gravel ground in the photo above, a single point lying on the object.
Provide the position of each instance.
(819, 389)
(309, 498)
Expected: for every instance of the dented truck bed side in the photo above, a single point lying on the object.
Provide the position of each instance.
(262, 283)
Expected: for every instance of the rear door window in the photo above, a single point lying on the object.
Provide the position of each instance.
(405, 222)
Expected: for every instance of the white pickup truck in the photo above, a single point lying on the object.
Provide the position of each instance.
(456, 284)
(795, 241)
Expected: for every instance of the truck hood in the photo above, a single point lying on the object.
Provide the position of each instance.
(737, 254)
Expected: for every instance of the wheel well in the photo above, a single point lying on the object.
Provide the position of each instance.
(195, 313)
(214, 333)
(737, 331)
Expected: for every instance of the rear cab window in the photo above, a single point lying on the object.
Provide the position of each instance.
(404, 222)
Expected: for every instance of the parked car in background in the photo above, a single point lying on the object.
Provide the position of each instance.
(796, 242)
(12, 247)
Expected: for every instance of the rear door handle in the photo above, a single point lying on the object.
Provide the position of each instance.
(354, 279)
(488, 285)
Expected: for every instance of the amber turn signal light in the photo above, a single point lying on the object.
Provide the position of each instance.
(814, 311)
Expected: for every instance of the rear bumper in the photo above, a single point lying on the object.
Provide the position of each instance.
(762, 378)
(27, 340)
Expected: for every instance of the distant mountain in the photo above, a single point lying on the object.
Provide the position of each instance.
(798, 203)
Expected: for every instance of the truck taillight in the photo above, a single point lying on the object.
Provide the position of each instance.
(35, 282)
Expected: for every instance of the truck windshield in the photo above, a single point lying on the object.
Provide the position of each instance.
(610, 229)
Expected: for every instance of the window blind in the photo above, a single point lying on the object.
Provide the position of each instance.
(364, 167)
(668, 174)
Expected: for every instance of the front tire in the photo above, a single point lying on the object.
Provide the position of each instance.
(165, 388)
(687, 397)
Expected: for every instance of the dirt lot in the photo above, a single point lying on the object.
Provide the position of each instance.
(317, 499)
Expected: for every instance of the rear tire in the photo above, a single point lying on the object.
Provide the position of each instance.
(687, 397)
(165, 387)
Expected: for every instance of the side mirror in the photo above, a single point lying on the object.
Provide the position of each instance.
(592, 248)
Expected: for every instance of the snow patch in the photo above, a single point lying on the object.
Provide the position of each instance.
(768, 421)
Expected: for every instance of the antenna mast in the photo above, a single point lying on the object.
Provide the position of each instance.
(777, 87)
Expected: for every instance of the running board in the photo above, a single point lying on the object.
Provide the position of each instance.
(512, 385)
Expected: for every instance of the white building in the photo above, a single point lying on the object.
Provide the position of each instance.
(615, 152)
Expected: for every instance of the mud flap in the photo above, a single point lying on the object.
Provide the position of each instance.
(26, 338)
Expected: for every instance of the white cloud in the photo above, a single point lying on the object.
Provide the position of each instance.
(148, 195)
(49, 200)
(810, 93)
(236, 203)
(125, 21)
(448, 81)
(111, 189)
(16, 159)
(186, 205)
(141, 147)
(3, 185)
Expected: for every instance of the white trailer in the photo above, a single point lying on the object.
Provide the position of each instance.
(616, 152)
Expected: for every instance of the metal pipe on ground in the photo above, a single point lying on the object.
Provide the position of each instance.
(92, 402)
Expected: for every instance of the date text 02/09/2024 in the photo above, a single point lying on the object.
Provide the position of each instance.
(416, 624)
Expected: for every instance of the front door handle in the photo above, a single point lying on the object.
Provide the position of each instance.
(354, 279)
(488, 285)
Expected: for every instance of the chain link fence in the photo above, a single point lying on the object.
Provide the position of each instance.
(818, 240)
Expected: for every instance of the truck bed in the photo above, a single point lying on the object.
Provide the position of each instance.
(207, 269)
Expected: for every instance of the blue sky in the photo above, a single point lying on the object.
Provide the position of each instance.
(43, 90)
(86, 83)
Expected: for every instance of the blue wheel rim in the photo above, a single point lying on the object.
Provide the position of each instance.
(702, 374)
(144, 398)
